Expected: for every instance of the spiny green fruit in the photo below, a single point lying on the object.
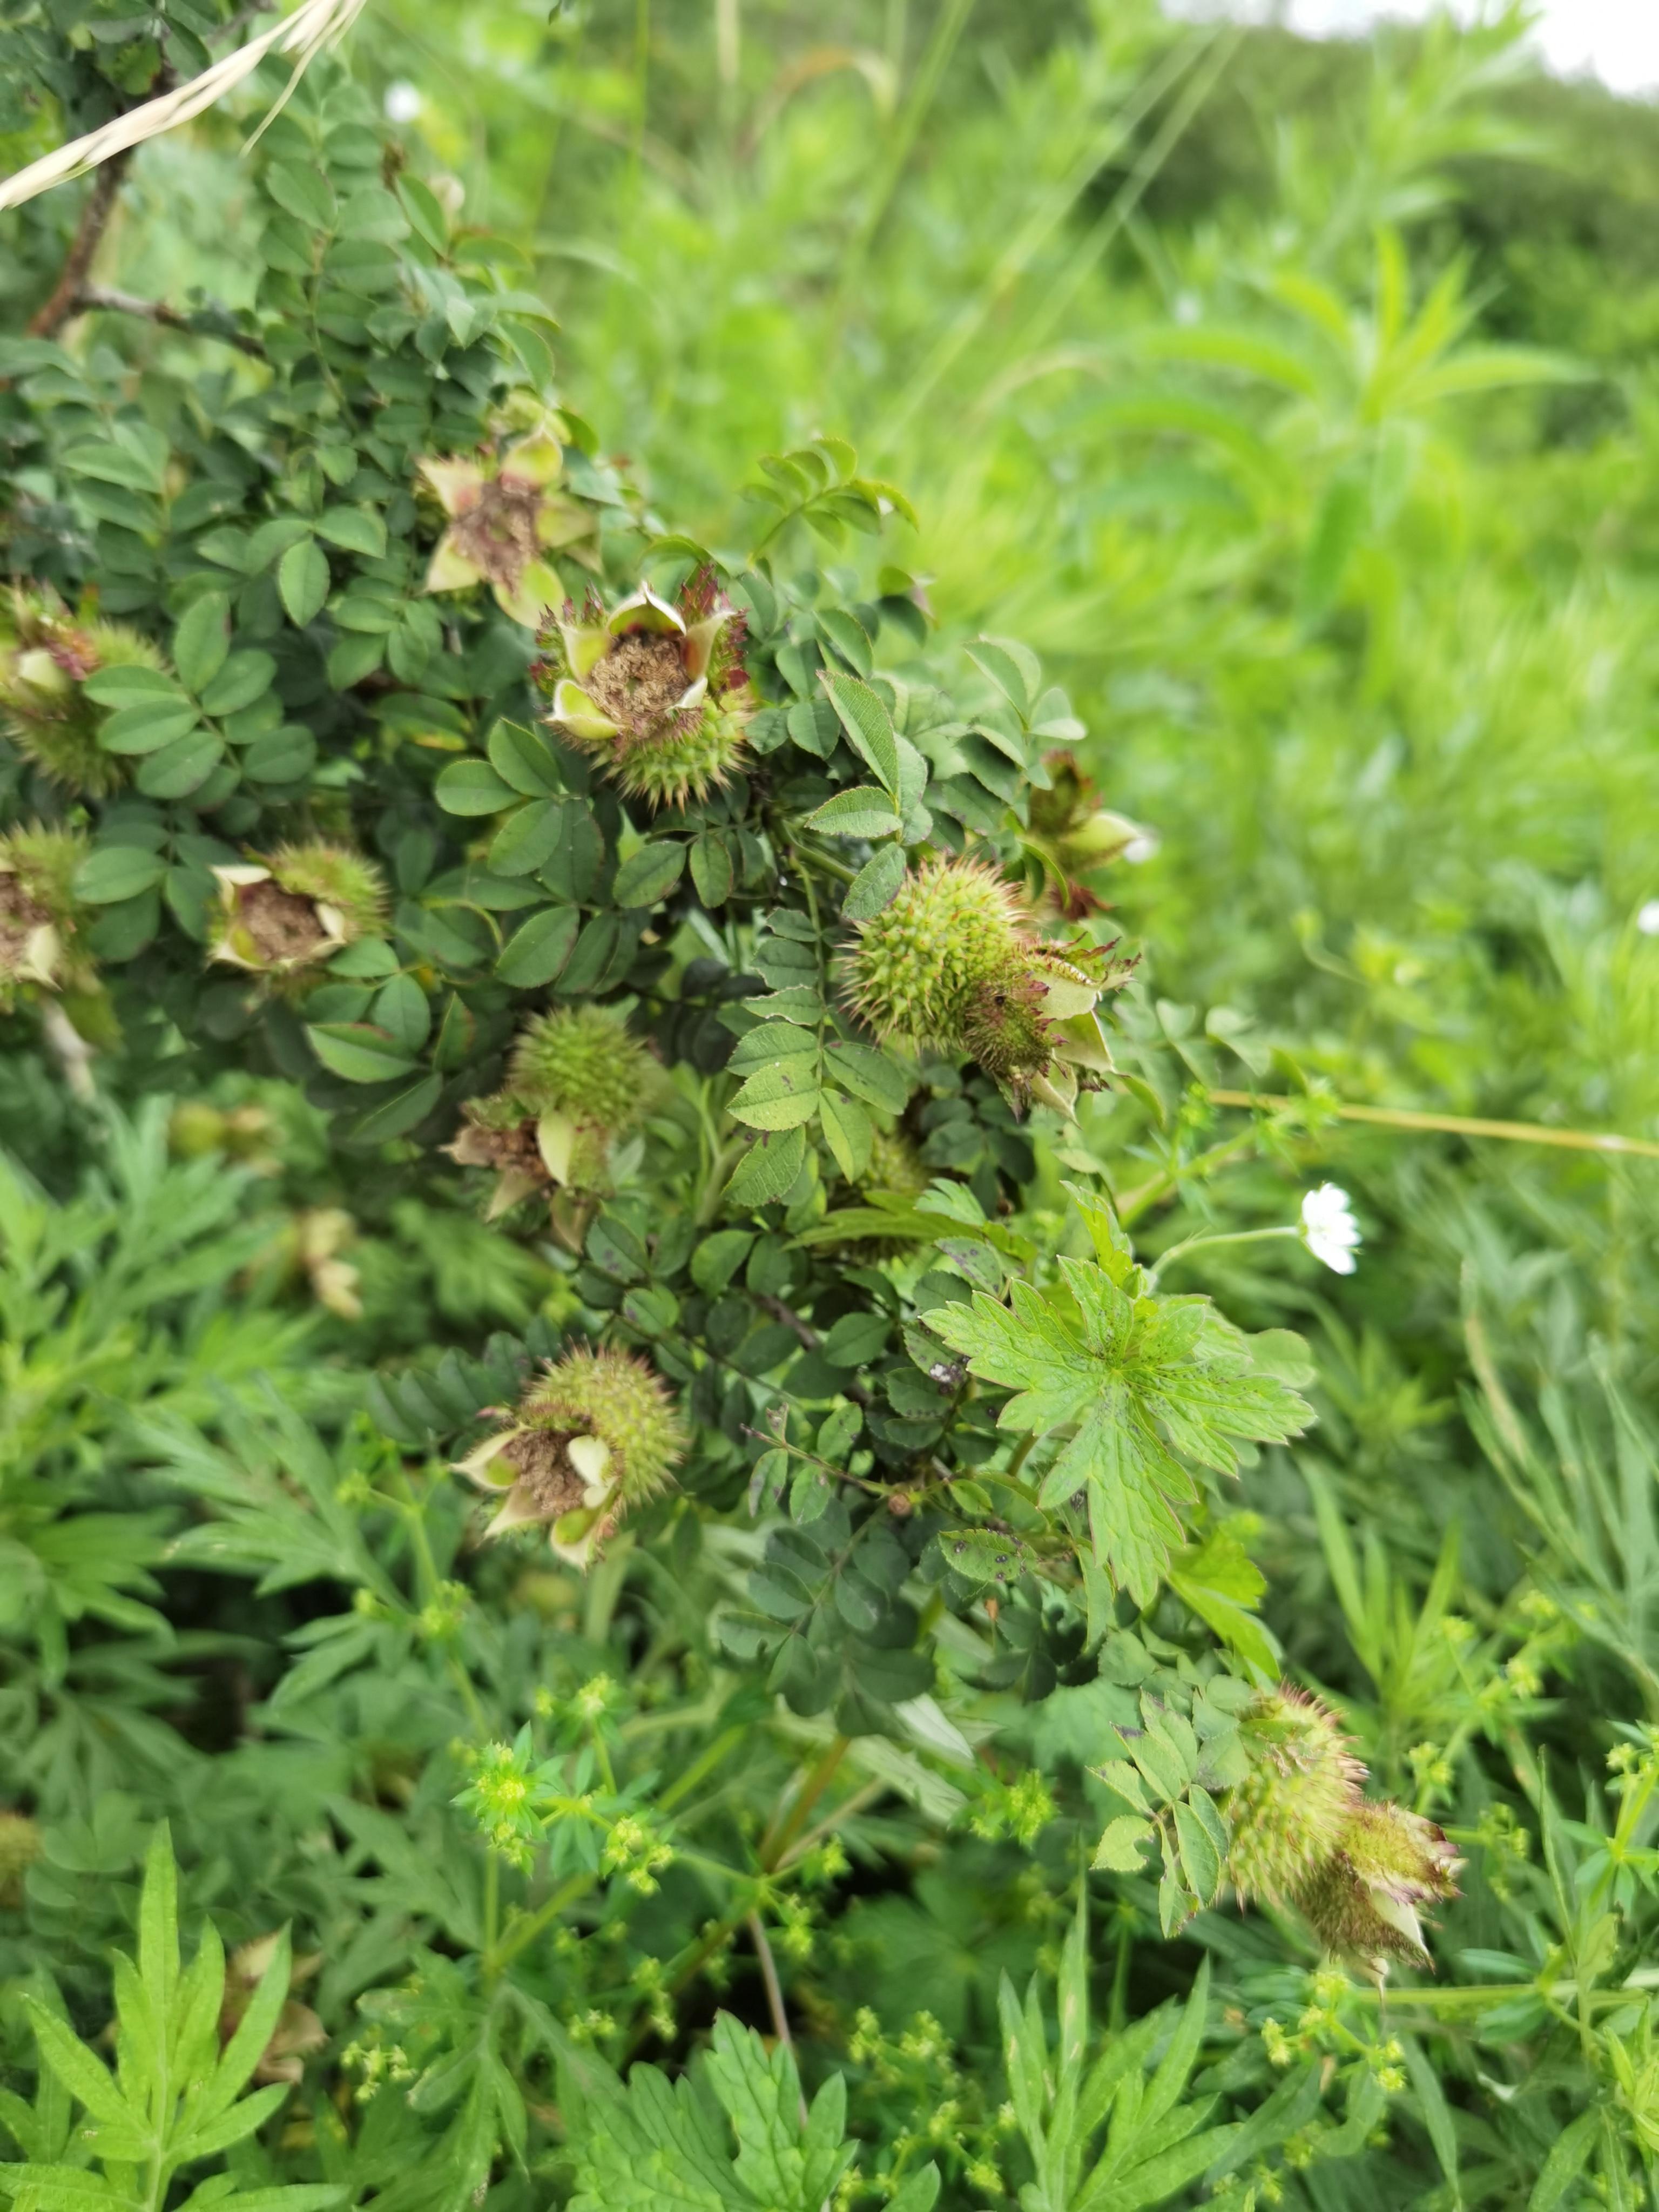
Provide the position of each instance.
(1285, 1819)
(44, 706)
(951, 927)
(297, 906)
(593, 1440)
(38, 925)
(896, 1166)
(577, 1083)
(953, 961)
(657, 694)
(1361, 1901)
(19, 1847)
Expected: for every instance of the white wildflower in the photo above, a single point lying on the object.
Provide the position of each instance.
(1647, 919)
(1329, 1228)
(403, 102)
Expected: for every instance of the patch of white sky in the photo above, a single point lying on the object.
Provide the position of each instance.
(1615, 40)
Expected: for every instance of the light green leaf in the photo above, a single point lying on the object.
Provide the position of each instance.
(780, 1098)
(1122, 1843)
(848, 1132)
(768, 1168)
(861, 811)
(651, 873)
(80, 2071)
(868, 725)
(358, 1053)
(201, 643)
(302, 580)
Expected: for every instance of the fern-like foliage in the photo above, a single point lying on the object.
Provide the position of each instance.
(660, 2148)
(174, 2099)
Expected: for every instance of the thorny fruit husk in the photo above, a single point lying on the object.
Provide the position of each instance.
(577, 1083)
(1363, 1902)
(38, 916)
(44, 707)
(299, 905)
(596, 1437)
(954, 961)
(1283, 1819)
(656, 693)
(503, 517)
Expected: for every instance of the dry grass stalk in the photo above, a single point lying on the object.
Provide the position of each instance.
(303, 35)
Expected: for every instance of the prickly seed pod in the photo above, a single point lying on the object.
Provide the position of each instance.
(598, 1436)
(917, 965)
(499, 1133)
(1285, 1819)
(1363, 1901)
(44, 706)
(577, 1083)
(19, 1847)
(952, 961)
(656, 693)
(896, 1166)
(298, 906)
(37, 928)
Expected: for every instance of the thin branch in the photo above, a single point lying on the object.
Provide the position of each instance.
(1455, 1125)
(69, 1049)
(48, 319)
(827, 1827)
(100, 299)
(774, 1994)
(810, 1338)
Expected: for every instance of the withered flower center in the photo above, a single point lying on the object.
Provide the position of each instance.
(20, 917)
(638, 682)
(75, 653)
(282, 926)
(541, 1461)
(505, 1149)
(497, 533)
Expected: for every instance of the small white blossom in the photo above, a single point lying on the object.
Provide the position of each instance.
(403, 102)
(1647, 919)
(1140, 848)
(1329, 1228)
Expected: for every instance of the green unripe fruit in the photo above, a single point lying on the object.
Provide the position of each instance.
(656, 693)
(38, 925)
(896, 1166)
(918, 964)
(953, 961)
(1005, 1025)
(598, 1436)
(1363, 1901)
(44, 706)
(581, 1061)
(1283, 1819)
(577, 1083)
